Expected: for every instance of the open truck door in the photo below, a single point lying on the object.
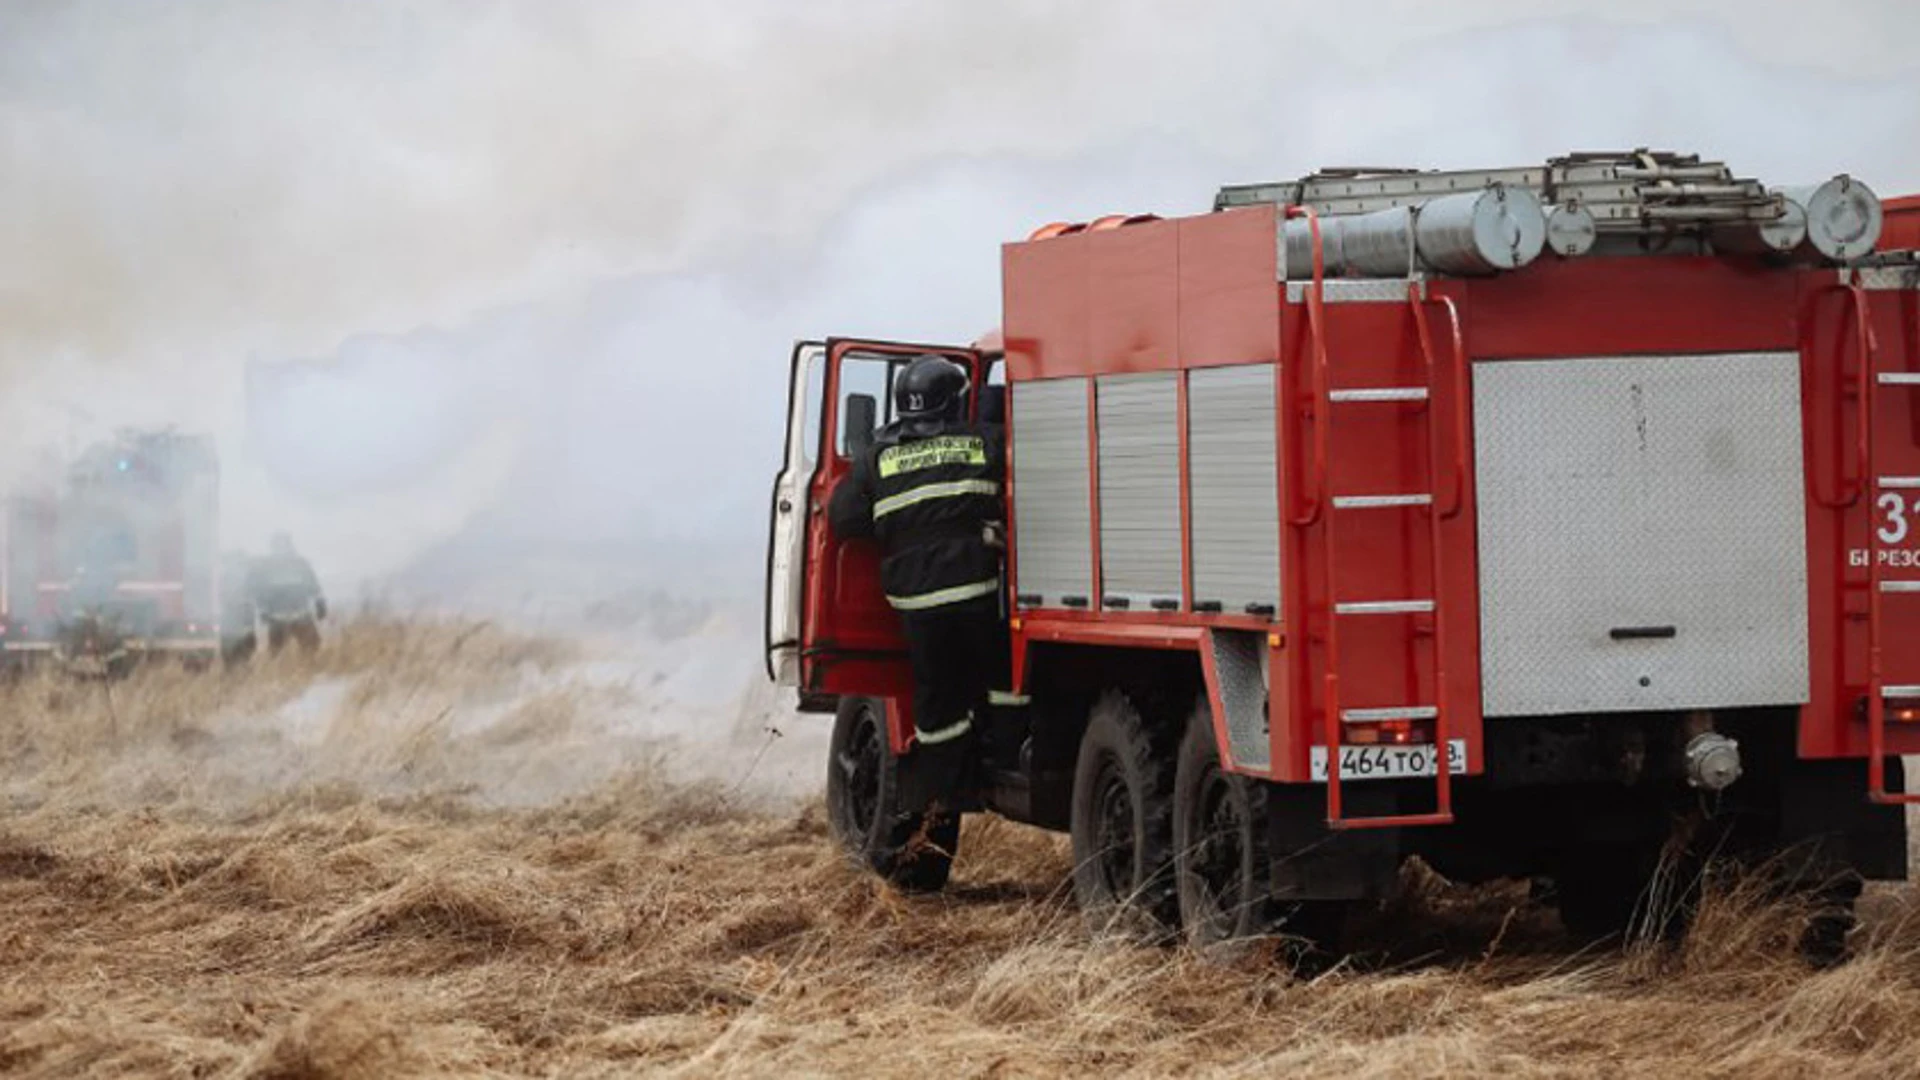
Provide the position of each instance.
(787, 528)
(829, 629)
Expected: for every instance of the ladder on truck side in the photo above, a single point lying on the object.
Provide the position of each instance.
(1869, 379)
(1327, 509)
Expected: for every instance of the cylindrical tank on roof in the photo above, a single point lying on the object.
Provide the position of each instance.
(1843, 217)
(1571, 230)
(1375, 245)
(1299, 246)
(1472, 232)
(1500, 228)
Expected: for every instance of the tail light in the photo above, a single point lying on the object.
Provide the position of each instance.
(1392, 733)
(1901, 708)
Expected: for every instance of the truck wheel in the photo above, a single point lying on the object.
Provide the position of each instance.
(1122, 825)
(1605, 892)
(863, 797)
(1219, 842)
(1823, 943)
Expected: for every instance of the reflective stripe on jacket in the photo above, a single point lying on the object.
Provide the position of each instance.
(927, 497)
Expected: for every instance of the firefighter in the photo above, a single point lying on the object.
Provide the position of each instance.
(283, 590)
(929, 490)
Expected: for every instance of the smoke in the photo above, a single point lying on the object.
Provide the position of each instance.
(472, 291)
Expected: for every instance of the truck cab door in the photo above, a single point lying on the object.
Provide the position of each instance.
(830, 630)
(787, 529)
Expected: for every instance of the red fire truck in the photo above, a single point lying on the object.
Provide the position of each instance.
(1510, 518)
(114, 557)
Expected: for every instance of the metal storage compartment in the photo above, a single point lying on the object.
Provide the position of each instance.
(1051, 489)
(1234, 500)
(1139, 441)
(1642, 533)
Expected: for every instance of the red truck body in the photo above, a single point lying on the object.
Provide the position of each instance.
(1620, 496)
(142, 508)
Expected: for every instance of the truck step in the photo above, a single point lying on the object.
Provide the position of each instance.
(1392, 712)
(1379, 393)
(1377, 502)
(1388, 607)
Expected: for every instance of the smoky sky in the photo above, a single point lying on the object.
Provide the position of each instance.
(499, 285)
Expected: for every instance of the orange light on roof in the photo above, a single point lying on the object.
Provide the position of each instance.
(1053, 229)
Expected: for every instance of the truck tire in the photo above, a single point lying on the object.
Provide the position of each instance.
(1620, 893)
(1220, 839)
(863, 805)
(1122, 825)
(1223, 861)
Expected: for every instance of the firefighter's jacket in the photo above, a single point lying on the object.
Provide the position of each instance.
(284, 585)
(927, 496)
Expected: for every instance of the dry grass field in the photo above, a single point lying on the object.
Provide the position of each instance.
(424, 852)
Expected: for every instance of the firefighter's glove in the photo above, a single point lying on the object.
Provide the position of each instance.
(994, 535)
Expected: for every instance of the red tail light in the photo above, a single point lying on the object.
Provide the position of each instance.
(1390, 733)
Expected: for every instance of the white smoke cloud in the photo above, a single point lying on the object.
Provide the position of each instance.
(546, 259)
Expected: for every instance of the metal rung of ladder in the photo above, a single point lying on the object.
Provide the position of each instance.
(1383, 607)
(1378, 393)
(1395, 712)
(1379, 502)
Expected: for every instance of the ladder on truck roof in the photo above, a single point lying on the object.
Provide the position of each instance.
(1870, 378)
(1631, 202)
(1328, 509)
(1632, 191)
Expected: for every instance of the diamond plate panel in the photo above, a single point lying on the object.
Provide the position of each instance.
(1642, 533)
(1239, 658)
(1356, 290)
(1885, 278)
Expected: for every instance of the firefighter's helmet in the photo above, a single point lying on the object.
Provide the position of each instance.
(932, 388)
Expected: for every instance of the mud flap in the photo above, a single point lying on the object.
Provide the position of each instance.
(1824, 803)
(1314, 862)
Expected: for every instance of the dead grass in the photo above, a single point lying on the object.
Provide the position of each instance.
(642, 927)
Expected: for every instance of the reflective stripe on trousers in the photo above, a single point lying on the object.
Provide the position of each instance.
(943, 597)
(946, 490)
(946, 734)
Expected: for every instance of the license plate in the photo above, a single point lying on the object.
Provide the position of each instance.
(1389, 762)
